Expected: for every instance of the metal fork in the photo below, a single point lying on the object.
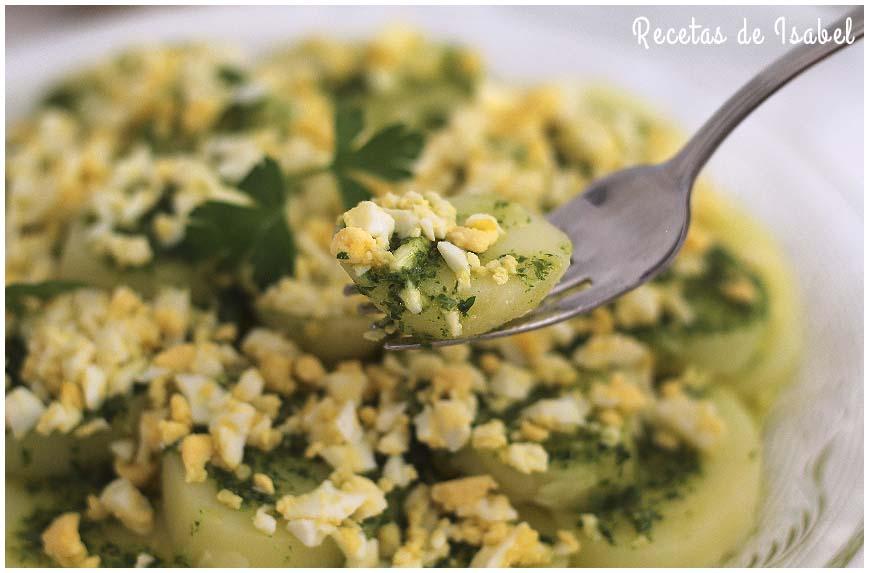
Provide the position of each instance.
(627, 227)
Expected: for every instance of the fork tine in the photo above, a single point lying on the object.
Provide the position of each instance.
(575, 277)
(413, 343)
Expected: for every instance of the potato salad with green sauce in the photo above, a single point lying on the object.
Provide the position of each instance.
(187, 383)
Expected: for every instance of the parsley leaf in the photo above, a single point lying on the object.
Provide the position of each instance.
(388, 154)
(348, 125)
(274, 253)
(232, 234)
(265, 184)
(17, 293)
(220, 231)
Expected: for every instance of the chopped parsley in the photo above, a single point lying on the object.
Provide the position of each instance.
(585, 447)
(713, 312)
(291, 472)
(465, 305)
(664, 476)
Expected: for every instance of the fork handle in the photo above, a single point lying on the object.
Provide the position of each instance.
(690, 160)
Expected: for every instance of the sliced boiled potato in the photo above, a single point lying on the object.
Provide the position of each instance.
(211, 534)
(543, 254)
(777, 358)
(79, 262)
(23, 547)
(724, 335)
(580, 467)
(753, 347)
(723, 352)
(32, 505)
(37, 456)
(707, 518)
(719, 352)
(331, 339)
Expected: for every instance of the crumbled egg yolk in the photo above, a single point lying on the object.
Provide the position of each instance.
(605, 351)
(196, 451)
(263, 483)
(526, 458)
(454, 494)
(314, 515)
(695, 423)
(740, 290)
(62, 543)
(520, 547)
(229, 499)
(639, 307)
(445, 424)
(489, 436)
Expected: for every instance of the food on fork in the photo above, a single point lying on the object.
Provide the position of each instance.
(448, 268)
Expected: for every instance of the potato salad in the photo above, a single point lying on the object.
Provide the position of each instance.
(187, 383)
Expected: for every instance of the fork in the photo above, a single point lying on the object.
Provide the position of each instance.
(627, 227)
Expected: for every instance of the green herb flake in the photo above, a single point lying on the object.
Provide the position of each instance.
(465, 305)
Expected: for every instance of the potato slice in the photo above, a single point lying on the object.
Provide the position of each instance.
(724, 336)
(330, 339)
(711, 514)
(36, 456)
(580, 468)
(211, 534)
(777, 358)
(79, 262)
(32, 505)
(541, 251)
